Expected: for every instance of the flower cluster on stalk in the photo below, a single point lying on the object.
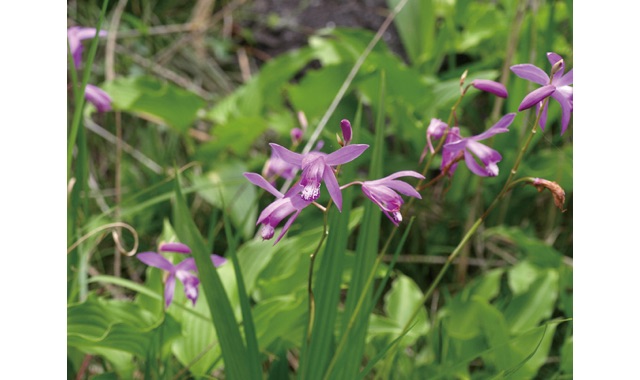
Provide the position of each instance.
(317, 168)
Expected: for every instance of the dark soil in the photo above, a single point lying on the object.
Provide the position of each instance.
(282, 25)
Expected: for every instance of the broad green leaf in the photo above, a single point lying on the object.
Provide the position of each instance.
(197, 348)
(237, 136)
(537, 251)
(226, 188)
(119, 325)
(152, 99)
(416, 24)
(281, 318)
(527, 309)
(521, 276)
(401, 300)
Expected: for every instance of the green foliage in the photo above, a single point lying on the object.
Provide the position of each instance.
(504, 310)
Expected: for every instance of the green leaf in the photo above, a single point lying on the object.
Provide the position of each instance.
(226, 188)
(234, 351)
(163, 103)
(100, 323)
(403, 298)
(416, 26)
(237, 135)
(315, 357)
(527, 309)
(566, 356)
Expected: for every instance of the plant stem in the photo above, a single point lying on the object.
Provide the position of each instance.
(507, 186)
(312, 260)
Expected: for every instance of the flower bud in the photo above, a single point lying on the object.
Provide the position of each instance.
(345, 125)
(296, 136)
(495, 88)
(557, 67)
(302, 119)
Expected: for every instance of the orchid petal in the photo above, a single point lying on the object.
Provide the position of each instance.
(333, 187)
(217, 260)
(493, 87)
(536, 96)
(286, 226)
(404, 188)
(566, 110)
(543, 115)
(501, 126)
(345, 154)
(287, 155)
(169, 289)
(402, 173)
(186, 265)
(258, 180)
(175, 247)
(98, 97)
(566, 79)
(155, 260)
(530, 72)
(553, 58)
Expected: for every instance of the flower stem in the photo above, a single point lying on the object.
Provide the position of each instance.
(507, 186)
(312, 260)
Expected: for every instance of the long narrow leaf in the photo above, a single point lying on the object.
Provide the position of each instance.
(348, 363)
(253, 353)
(234, 352)
(327, 291)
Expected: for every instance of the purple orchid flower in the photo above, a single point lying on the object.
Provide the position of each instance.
(473, 148)
(98, 97)
(183, 271)
(75, 35)
(383, 193)
(283, 206)
(495, 88)
(317, 166)
(557, 87)
(436, 129)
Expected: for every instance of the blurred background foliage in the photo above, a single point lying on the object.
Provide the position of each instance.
(203, 87)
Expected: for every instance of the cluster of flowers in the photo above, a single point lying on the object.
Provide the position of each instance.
(318, 167)
(185, 270)
(95, 95)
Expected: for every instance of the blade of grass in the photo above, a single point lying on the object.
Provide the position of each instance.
(316, 355)
(247, 318)
(348, 363)
(234, 352)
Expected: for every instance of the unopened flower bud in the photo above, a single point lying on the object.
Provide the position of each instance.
(557, 67)
(495, 88)
(463, 77)
(556, 190)
(296, 136)
(302, 119)
(345, 125)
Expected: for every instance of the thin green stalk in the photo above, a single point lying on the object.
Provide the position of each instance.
(507, 186)
(312, 259)
(362, 298)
